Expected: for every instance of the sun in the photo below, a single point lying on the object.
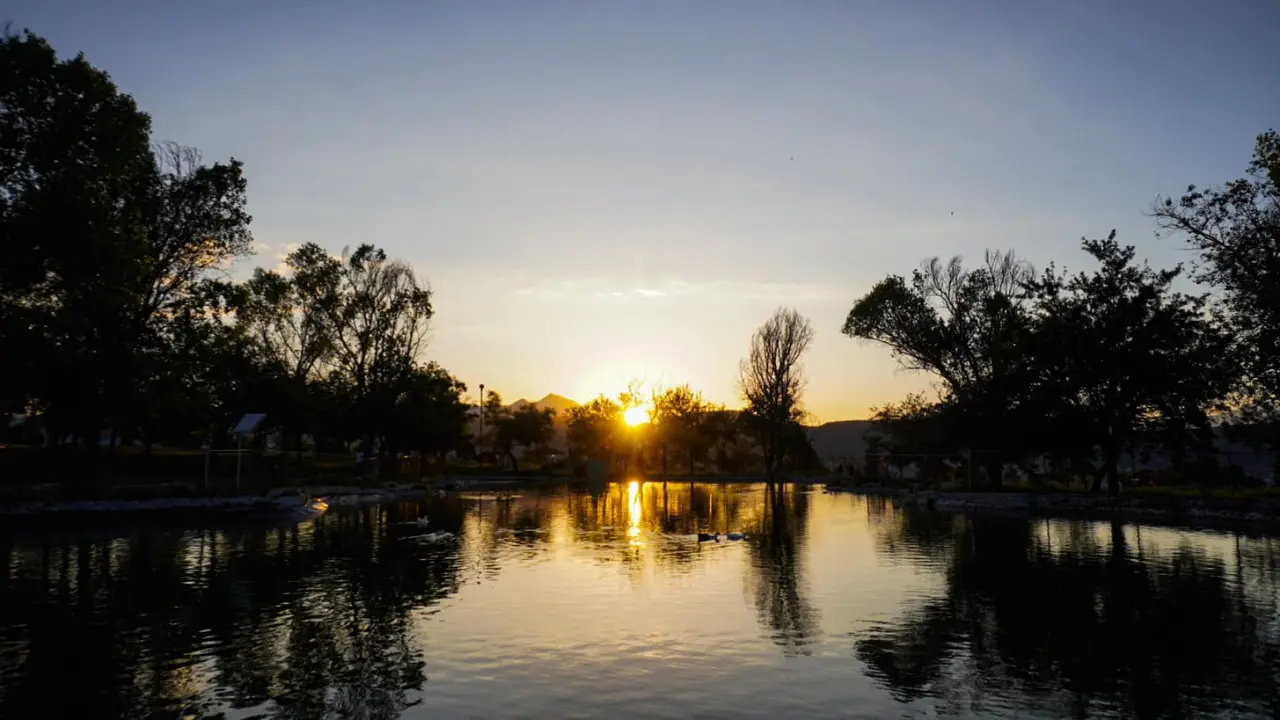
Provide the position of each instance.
(635, 416)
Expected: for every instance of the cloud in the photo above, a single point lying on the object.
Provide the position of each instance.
(596, 288)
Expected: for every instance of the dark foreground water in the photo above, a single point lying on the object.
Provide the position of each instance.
(579, 603)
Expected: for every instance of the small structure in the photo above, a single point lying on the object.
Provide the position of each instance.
(248, 423)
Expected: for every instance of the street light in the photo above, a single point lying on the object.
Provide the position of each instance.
(481, 438)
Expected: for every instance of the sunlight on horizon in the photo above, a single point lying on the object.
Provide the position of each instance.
(635, 416)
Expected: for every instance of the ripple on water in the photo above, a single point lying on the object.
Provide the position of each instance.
(570, 603)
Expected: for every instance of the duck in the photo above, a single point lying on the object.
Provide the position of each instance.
(420, 522)
(708, 537)
(736, 536)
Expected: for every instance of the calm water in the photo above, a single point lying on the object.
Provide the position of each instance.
(582, 603)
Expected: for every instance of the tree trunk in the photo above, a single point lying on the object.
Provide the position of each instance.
(1114, 483)
(1109, 470)
(1096, 486)
(515, 462)
(995, 474)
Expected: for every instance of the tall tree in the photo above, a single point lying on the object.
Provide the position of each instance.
(109, 242)
(376, 316)
(524, 427)
(676, 415)
(1235, 230)
(594, 430)
(281, 316)
(180, 302)
(771, 380)
(1127, 361)
(429, 415)
(75, 170)
(965, 327)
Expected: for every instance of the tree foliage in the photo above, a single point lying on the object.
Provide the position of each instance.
(966, 327)
(1235, 233)
(677, 415)
(771, 380)
(1087, 366)
(117, 312)
(526, 427)
(1125, 361)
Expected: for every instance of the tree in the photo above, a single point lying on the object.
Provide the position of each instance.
(720, 429)
(913, 430)
(676, 415)
(494, 411)
(430, 415)
(968, 329)
(75, 170)
(526, 427)
(1235, 230)
(282, 317)
(771, 380)
(1126, 361)
(110, 243)
(375, 313)
(180, 304)
(594, 429)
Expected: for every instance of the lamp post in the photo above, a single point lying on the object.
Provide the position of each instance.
(481, 438)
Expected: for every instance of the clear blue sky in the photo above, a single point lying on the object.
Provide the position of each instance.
(606, 190)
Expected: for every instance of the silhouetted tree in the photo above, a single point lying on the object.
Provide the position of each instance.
(525, 427)
(110, 243)
(771, 380)
(1235, 230)
(676, 415)
(1125, 360)
(593, 430)
(967, 328)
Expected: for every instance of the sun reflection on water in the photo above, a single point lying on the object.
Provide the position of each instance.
(634, 512)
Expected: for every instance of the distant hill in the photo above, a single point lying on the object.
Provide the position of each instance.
(559, 403)
(840, 439)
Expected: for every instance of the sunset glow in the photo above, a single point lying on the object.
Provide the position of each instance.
(635, 416)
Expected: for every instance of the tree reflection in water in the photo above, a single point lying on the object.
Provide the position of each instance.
(777, 568)
(299, 622)
(1080, 618)
(331, 618)
(316, 620)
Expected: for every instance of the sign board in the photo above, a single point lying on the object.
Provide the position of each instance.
(248, 423)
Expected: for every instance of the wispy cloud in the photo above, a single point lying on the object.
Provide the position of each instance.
(708, 289)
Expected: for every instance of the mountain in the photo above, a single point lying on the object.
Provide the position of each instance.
(841, 439)
(552, 401)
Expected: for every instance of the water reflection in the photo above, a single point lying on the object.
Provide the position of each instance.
(599, 600)
(634, 513)
(777, 569)
(1083, 619)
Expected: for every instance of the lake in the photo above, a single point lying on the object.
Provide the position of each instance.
(600, 602)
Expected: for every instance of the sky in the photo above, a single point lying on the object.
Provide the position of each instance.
(600, 192)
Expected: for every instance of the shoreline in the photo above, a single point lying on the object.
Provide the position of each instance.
(301, 502)
(292, 500)
(1169, 507)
